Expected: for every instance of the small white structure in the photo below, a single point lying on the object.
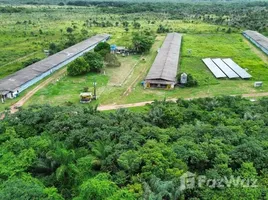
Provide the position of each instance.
(258, 84)
(183, 78)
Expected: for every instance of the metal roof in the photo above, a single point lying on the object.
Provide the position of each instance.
(240, 71)
(213, 68)
(225, 68)
(14, 81)
(257, 37)
(166, 62)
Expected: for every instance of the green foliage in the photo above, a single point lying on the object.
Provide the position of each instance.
(98, 188)
(95, 61)
(136, 25)
(78, 67)
(191, 82)
(27, 188)
(31, 61)
(86, 154)
(142, 42)
(162, 29)
(103, 49)
(111, 60)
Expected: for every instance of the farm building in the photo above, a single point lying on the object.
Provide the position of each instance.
(258, 39)
(12, 85)
(164, 69)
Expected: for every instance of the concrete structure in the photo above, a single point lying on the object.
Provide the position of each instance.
(258, 39)
(164, 69)
(14, 84)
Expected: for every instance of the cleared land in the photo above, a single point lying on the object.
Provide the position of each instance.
(123, 85)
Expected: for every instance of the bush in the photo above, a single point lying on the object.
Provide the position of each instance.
(95, 61)
(78, 67)
(142, 42)
(102, 48)
(112, 61)
(191, 82)
(30, 61)
(162, 29)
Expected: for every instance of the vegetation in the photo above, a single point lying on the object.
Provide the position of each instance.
(76, 152)
(111, 60)
(95, 61)
(103, 49)
(79, 153)
(78, 67)
(142, 42)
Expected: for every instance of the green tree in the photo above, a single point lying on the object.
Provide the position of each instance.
(142, 43)
(111, 60)
(95, 61)
(103, 48)
(27, 188)
(69, 30)
(78, 67)
(136, 25)
(97, 188)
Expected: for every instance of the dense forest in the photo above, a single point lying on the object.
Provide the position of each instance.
(80, 153)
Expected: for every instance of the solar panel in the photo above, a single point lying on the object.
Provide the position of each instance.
(214, 68)
(240, 71)
(225, 68)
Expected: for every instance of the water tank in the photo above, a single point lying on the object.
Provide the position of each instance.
(184, 78)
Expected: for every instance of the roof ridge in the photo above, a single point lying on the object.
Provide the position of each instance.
(169, 49)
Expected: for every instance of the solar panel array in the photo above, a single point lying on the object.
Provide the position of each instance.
(214, 68)
(237, 69)
(225, 68)
(222, 68)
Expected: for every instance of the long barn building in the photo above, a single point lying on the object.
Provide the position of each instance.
(258, 39)
(12, 85)
(164, 69)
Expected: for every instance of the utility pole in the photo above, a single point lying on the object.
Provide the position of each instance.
(95, 89)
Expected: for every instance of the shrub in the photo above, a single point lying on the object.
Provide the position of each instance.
(95, 61)
(102, 48)
(78, 67)
(112, 61)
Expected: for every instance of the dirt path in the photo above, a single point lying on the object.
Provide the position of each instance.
(23, 100)
(263, 56)
(140, 104)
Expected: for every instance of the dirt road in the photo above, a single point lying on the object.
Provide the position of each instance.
(23, 100)
(140, 104)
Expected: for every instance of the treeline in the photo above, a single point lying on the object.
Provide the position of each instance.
(10, 9)
(97, 3)
(249, 15)
(80, 153)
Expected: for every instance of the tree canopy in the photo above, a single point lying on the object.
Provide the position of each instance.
(78, 67)
(80, 153)
(142, 42)
(95, 61)
(103, 48)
